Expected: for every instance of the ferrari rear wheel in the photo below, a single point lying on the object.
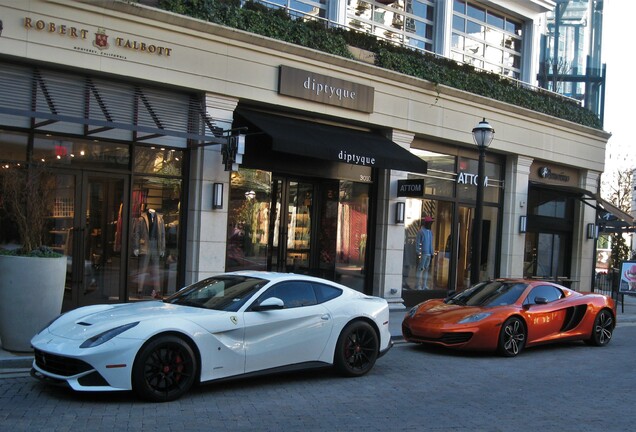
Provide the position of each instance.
(164, 369)
(512, 337)
(356, 349)
(603, 328)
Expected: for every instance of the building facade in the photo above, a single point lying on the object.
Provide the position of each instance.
(183, 148)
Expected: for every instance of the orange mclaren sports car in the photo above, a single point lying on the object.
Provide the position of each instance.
(509, 315)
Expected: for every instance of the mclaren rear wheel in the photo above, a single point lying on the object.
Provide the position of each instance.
(603, 328)
(164, 370)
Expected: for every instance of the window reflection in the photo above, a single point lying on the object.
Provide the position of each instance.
(248, 224)
(155, 232)
(79, 152)
(502, 35)
(403, 21)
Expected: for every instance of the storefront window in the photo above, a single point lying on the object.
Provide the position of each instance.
(467, 180)
(13, 146)
(248, 225)
(420, 272)
(154, 229)
(440, 177)
(351, 245)
(78, 152)
(158, 160)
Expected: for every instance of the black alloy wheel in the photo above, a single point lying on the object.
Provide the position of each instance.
(357, 349)
(603, 328)
(512, 337)
(164, 370)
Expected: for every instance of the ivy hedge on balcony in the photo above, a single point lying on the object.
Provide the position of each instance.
(256, 18)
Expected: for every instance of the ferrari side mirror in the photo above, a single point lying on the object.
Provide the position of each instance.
(271, 303)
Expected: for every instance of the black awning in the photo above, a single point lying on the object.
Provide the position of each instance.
(610, 218)
(332, 143)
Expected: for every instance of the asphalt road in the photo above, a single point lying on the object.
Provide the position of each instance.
(567, 387)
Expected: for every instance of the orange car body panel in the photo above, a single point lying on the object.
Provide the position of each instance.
(436, 322)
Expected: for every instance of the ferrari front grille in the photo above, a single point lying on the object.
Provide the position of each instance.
(60, 365)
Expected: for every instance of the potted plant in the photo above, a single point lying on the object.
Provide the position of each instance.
(33, 276)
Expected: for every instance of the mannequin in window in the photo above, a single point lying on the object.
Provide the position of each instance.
(149, 244)
(425, 252)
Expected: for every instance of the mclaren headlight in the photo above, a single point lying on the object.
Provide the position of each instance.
(475, 317)
(106, 336)
(413, 311)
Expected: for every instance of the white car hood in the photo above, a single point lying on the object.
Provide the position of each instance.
(89, 321)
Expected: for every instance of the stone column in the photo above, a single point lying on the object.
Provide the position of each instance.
(389, 245)
(515, 206)
(583, 250)
(206, 229)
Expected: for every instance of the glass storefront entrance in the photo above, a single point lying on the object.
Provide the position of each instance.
(85, 225)
(290, 224)
(448, 199)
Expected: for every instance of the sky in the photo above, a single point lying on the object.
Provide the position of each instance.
(620, 91)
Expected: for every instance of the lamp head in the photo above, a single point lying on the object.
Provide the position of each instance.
(483, 134)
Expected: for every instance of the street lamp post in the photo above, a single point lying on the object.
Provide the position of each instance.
(483, 135)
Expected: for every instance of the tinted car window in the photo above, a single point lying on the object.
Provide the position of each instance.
(547, 292)
(225, 293)
(495, 293)
(325, 292)
(292, 293)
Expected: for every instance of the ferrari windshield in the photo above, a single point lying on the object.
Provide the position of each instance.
(224, 293)
(493, 293)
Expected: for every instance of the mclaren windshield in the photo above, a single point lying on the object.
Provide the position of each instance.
(492, 293)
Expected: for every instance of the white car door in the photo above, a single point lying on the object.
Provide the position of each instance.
(294, 334)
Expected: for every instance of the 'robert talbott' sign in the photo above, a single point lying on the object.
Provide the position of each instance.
(321, 88)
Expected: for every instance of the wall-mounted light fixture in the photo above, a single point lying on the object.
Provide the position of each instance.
(592, 231)
(399, 212)
(523, 224)
(217, 196)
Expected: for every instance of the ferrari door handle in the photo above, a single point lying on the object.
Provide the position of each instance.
(325, 317)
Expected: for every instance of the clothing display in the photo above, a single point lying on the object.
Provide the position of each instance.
(149, 244)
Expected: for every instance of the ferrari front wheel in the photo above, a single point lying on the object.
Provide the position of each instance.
(603, 328)
(164, 370)
(512, 337)
(356, 349)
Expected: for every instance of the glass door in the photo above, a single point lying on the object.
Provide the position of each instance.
(291, 231)
(86, 226)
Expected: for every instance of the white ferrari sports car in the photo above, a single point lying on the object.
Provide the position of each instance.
(224, 326)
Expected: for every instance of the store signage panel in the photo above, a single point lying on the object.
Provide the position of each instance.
(94, 40)
(547, 173)
(307, 85)
(410, 188)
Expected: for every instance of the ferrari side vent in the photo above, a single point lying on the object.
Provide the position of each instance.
(60, 365)
(573, 317)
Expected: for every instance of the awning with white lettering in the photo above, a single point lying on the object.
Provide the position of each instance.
(321, 141)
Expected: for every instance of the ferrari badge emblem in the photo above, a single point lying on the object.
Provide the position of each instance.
(234, 319)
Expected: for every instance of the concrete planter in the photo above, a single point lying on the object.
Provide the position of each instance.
(31, 293)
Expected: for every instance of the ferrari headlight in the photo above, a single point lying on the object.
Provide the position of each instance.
(474, 318)
(106, 336)
(49, 323)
